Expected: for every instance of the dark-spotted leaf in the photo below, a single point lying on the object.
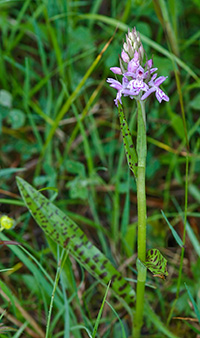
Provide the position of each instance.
(128, 142)
(156, 263)
(65, 232)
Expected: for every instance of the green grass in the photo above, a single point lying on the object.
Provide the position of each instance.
(60, 129)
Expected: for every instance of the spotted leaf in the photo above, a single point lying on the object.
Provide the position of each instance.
(156, 263)
(130, 151)
(65, 232)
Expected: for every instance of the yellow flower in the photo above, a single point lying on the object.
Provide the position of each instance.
(6, 222)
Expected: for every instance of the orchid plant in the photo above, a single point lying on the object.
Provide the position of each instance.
(139, 81)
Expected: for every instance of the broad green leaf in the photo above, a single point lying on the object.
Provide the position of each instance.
(65, 232)
(128, 142)
(75, 167)
(78, 188)
(156, 263)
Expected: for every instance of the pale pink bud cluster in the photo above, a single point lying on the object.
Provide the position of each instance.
(133, 43)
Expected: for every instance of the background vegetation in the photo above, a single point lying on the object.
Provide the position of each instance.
(59, 128)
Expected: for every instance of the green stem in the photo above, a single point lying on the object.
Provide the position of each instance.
(141, 203)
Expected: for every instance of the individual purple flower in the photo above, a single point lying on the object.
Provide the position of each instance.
(160, 95)
(138, 83)
(133, 70)
(120, 88)
(139, 73)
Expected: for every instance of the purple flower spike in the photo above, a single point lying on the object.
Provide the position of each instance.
(160, 95)
(138, 75)
(116, 70)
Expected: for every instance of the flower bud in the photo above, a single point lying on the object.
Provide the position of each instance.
(116, 70)
(141, 51)
(125, 56)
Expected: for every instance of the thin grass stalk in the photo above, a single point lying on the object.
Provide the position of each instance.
(178, 84)
(184, 228)
(57, 277)
(183, 240)
(163, 15)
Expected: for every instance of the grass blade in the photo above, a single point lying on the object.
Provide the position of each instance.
(196, 310)
(174, 233)
(100, 313)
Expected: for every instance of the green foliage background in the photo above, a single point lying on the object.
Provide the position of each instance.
(59, 129)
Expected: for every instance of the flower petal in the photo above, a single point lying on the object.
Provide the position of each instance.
(149, 63)
(114, 83)
(148, 92)
(160, 80)
(160, 95)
